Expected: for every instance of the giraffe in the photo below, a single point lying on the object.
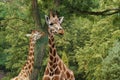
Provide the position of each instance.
(28, 67)
(55, 69)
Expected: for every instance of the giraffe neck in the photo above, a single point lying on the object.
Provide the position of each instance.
(52, 50)
(28, 67)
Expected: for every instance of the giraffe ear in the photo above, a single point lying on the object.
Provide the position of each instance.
(28, 35)
(61, 19)
(47, 19)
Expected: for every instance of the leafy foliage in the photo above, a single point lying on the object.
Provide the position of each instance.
(85, 47)
(111, 65)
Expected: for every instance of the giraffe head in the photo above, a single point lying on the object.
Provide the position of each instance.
(35, 35)
(54, 23)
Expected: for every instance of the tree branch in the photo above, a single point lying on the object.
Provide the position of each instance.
(8, 19)
(103, 13)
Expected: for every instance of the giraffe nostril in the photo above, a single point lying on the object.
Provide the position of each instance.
(61, 31)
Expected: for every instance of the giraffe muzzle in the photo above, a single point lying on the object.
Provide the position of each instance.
(61, 32)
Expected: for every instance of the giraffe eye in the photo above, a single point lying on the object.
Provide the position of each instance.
(51, 24)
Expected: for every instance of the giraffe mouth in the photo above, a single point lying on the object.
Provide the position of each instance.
(61, 32)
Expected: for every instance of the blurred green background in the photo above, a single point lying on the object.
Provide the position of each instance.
(90, 46)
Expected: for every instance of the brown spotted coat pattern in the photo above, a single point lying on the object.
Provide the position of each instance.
(56, 69)
(28, 67)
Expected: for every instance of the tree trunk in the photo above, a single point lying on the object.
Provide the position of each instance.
(35, 14)
(40, 47)
(57, 3)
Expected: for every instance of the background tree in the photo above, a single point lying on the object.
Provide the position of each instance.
(92, 28)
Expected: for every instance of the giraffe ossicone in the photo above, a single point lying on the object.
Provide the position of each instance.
(28, 66)
(55, 69)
